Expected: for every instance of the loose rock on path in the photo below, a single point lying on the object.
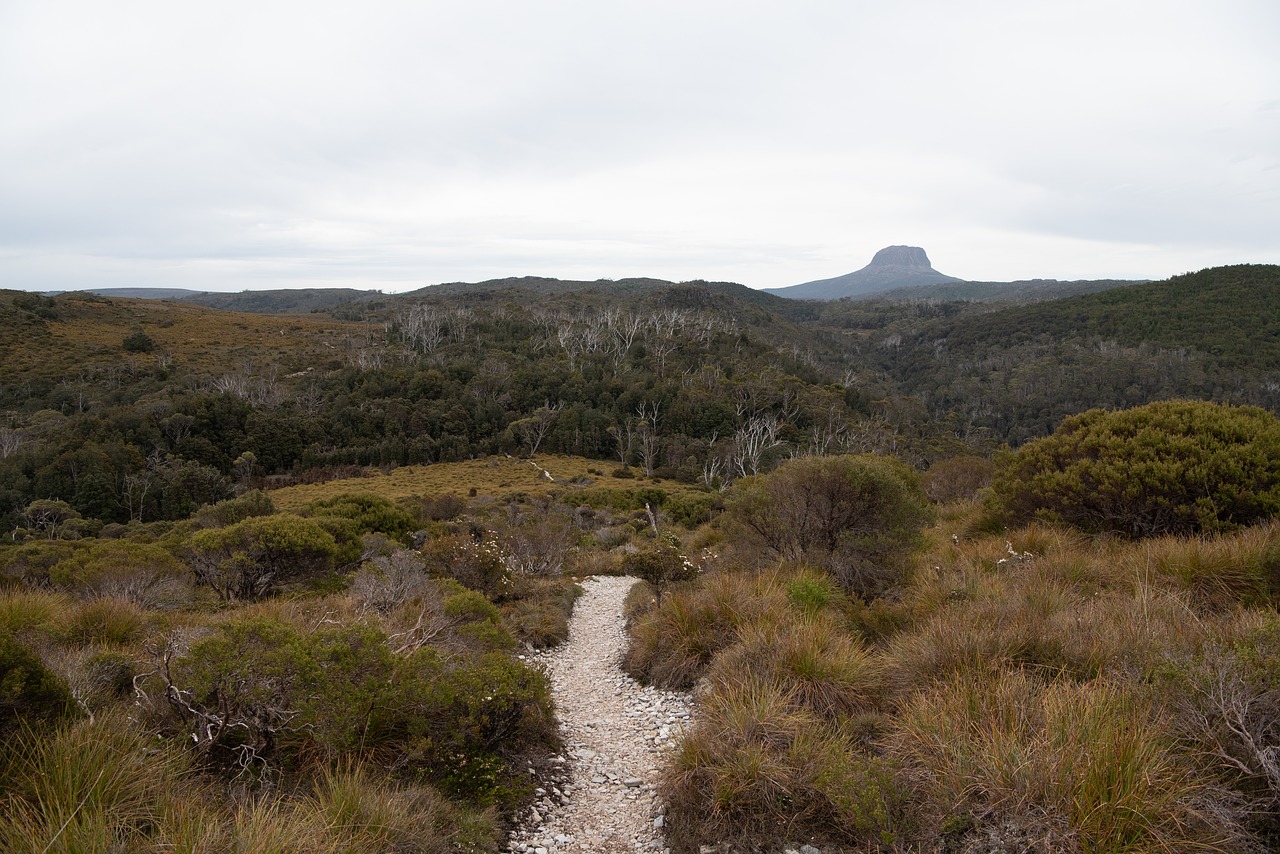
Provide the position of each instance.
(616, 734)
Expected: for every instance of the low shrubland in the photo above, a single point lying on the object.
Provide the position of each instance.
(325, 680)
(346, 675)
(1036, 689)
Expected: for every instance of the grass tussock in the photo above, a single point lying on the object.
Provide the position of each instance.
(28, 612)
(820, 668)
(540, 615)
(673, 644)
(360, 813)
(1084, 767)
(98, 786)
(758, 768)
(104, 621)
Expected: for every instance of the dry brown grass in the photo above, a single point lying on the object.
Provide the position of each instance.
(1019, 694)
(760, 771)
(1079, 767)
(673, 644)
(494, 477)
(88, 334)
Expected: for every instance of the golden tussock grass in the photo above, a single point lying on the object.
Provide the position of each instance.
(493, 477)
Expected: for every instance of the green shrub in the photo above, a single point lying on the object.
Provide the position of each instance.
(251, 558)
(258, 689)
(348, 540)
(140, 572)
(858, 516)
(29, 563)
(470, 721)
(810, 593)
(477, 620)
(255, 502)
(138, 342)
(29, 691)
(1176, 467)
(692, 510)
(373, 514)
(659, 566)
(479, 566)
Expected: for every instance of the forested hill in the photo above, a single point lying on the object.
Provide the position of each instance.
(625, 294)
(1229, 313)
(1214, 334)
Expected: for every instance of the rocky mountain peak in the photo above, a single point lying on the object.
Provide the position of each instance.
(892, 267)
(901, 256)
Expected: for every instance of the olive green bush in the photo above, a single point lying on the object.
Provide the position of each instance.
(29, 691)
(857, 516)
(1174, 467)
(143, 573)
(372, 514)
(661, 566)
(250, 559)
(255, 502)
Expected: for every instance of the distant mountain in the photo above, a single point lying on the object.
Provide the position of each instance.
(892, 267)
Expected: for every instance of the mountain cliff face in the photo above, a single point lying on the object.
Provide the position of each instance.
(892, 267)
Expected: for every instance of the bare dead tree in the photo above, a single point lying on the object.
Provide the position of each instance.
(624, 436)
(758, 434)
(646, 433)
(1236, 719)
(829, 433)
(10, 441)
(624, 328)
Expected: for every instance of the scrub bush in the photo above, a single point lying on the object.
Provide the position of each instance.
(857, 516)
(1175, 467)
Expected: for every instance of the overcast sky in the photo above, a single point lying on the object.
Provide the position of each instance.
(230, 145)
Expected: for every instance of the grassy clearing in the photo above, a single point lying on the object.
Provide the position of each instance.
(88, 333)
(574, 480)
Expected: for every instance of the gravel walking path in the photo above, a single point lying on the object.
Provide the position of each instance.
(616, 734)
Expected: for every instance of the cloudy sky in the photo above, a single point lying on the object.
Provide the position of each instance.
(230, 145)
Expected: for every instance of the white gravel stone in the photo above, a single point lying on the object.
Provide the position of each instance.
(617, 737)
